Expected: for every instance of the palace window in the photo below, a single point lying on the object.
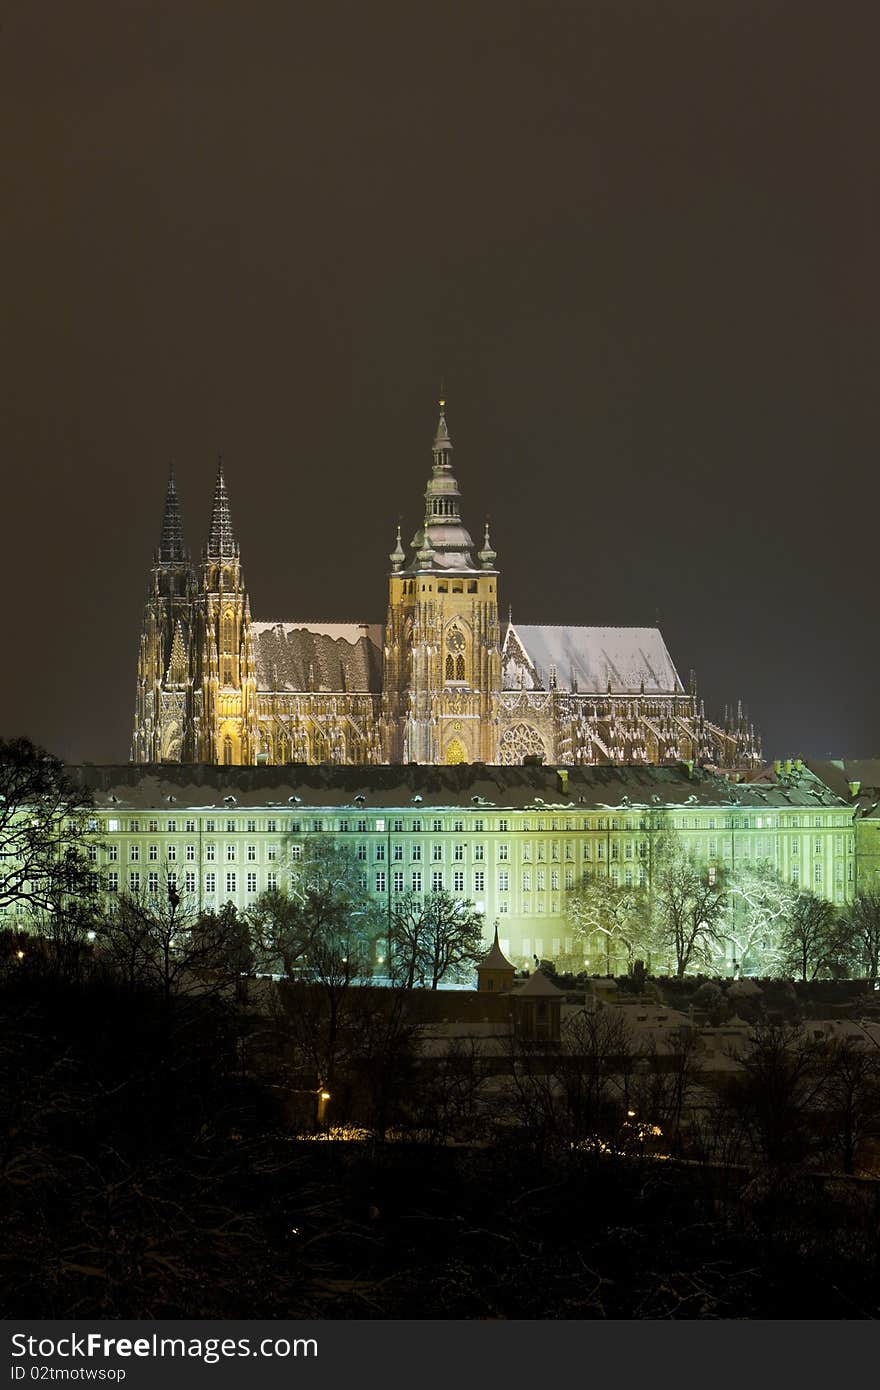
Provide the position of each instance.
(230, 883)
(503, 852)
(210, 853)
(230, 854)
(272, 881)
(154, 852)
(479, 880)
(380, 881)
(504, 881)
(152, 883)
(112, 853)
(478, 853)
(252, 854)
(437, 853)
(210, 882)
(134, 881)
(252, 882)
(437, 881)
(380, 854)
(171, 852)
(190, 827)
(458, 881)
(398, 853)
(417, 880)
(190, 881)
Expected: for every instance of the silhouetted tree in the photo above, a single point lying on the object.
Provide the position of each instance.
(851, 1096)
(158, 940)
(810, 936)
(862, 919)
(44, 832)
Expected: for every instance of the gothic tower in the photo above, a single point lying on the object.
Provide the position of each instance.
(224, 702)
(164, 701)
(442, 641)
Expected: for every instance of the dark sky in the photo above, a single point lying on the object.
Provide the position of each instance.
(638, 240)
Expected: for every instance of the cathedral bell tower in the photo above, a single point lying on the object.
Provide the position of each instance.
(164, 700)
(225, 703)
(442, 641)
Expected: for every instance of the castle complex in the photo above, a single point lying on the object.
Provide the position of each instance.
(441, 682)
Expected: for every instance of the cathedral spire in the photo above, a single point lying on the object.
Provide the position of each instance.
(171, 549)
(442, 442)
(442, 541)
(221, 540)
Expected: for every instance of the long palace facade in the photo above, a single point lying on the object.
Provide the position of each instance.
(512, 839)
(442, 681)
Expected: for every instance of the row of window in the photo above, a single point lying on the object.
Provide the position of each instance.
(438, 825)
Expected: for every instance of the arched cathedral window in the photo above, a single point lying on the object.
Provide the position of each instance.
(520, 741)
(454, 666)
(227, 751)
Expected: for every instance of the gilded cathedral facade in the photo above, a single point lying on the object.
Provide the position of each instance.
(443, 681)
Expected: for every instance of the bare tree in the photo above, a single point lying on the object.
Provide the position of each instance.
(863, 924)
(809, 936)
(574, 1095)
(688, 906)
(615, 917)
(160, 941)
(454, 938)
(408, 940)
(758, 907)
(44, 831)
(851, 1095)
(324, 908)
(777, 1092)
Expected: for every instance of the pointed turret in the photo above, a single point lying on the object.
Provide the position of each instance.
(171, 548)
(495, 974)
(397, 555)
(487, 556)
(221, 538)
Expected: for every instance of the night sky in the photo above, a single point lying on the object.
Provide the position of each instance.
(638, 242)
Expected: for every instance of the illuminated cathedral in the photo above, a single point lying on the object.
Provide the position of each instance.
(443, 681)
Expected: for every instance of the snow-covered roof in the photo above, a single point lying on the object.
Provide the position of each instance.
(589, 659)
(537, 985)
(318, 656)
(474, 786)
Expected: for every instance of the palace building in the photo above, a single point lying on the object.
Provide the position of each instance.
(442, 681)
(514, 840)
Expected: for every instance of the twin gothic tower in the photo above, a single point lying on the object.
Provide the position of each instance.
(439, 684)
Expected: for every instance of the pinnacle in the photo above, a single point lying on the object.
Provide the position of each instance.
(221, 539)
(171, 548)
